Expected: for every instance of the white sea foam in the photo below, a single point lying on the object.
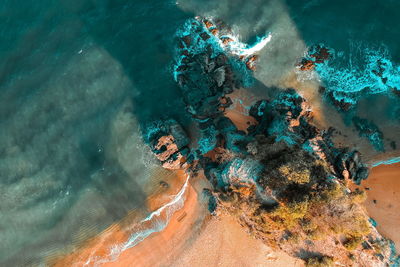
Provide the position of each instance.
(242, 49)
(157, 220)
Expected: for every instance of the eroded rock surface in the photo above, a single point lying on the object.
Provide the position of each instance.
(283, 179)
(169, 143)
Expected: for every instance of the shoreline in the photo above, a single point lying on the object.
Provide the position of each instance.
(383, 199)
(192, 237)
(97, 249)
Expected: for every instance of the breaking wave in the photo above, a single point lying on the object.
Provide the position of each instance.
(154, 222)
(367, 71)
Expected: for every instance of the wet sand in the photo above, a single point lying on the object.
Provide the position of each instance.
(383, 202)
(163, 248)
(193, 237)
(97, 250)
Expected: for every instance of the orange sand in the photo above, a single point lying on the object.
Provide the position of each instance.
(156, 244)
(384, 184)
(224, 243)
(190, 239)
(242, 122)
(237, 113)
(160, 249)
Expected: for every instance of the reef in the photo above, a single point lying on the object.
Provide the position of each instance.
(283, 178)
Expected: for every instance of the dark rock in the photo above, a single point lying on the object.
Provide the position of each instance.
(320, 54)
(306, 64)
(204, 36)
(316, 55)
(393, 145)
(340, 104)
(187, 40)
(396, 91)
(221, 60)
(348, 165)
(169, 142)
(321, 89)
(164, 184)
(362, 174)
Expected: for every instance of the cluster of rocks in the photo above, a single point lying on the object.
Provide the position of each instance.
(348, 165)
(169, 143)
(203, 74)
(253, 165)
(286, 117)
(205, 80)
(317, 54)
(205, 70)
(206, 73)
(291, 110)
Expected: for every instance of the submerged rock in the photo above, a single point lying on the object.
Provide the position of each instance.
(369, 130)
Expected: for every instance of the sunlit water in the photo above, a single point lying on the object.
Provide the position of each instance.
(79, 79)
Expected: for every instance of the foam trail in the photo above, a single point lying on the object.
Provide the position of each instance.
(243, 49)
(178, 200)
(387, 162)
(157, 225)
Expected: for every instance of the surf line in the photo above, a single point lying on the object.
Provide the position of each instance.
(157, 224)
(387, 162)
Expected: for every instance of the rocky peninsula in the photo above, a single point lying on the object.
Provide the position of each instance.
(282, 178)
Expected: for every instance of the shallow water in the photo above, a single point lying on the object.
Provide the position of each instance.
(77, 82)
(79, 79)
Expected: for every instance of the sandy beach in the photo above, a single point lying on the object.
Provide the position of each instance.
(97, 250)
(383, 201)
(223, 242)
(193, 237)
(239, 110)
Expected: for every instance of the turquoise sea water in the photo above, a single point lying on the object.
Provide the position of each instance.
(80, 78)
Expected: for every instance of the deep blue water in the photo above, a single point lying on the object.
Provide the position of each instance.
(79, 79)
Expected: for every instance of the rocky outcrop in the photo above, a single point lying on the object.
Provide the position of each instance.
(283, 179)
(286, 117)
(317, 54)
(203, 73)
(169, 143)
(348, 165)
(341, 104)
